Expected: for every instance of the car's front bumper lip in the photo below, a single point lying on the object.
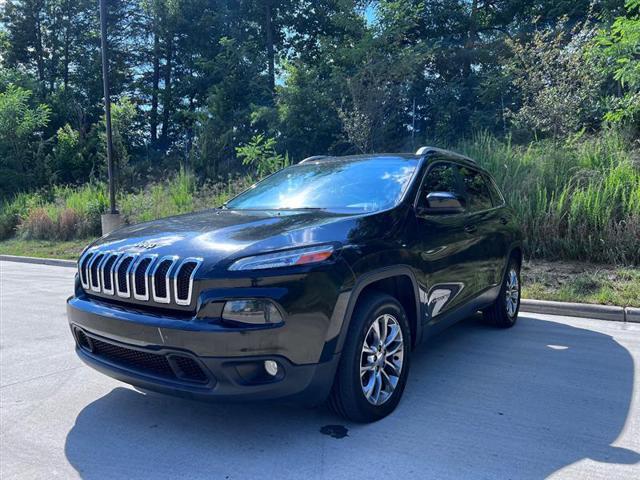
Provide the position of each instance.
(221, 354)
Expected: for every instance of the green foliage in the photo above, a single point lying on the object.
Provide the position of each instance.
(558, 83)
(260, 153)
(618, 47)
(21, 124)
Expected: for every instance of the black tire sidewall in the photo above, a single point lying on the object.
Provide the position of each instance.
(350, 375)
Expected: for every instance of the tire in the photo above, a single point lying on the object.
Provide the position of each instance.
(348, 397)
(503, 313)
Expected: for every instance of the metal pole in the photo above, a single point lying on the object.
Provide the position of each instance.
(107, 104)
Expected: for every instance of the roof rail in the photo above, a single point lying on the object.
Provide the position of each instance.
(315, 157)
(425, 150)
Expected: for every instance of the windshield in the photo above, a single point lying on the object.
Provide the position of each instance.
(363, 184)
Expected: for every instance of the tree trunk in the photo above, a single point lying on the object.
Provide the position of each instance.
(270, 53)
(167, 107)
(154, 87)
(39, 52)
(67, 40)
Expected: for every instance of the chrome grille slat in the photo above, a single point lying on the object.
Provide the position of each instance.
(124, 291)
(144, 262)
(106, 272)
(83, 269)
(179, 275)
(94, 277)
(163, 280)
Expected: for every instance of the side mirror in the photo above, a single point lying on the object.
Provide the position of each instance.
(442, 203)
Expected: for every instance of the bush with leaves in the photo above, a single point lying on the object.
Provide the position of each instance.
(260, 153)
(21, 125)
(619, 48)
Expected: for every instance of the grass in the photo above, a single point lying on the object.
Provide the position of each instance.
(69, 250)
(582, 283)
(576, 199)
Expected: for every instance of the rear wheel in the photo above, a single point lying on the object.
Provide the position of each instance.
(504, 312)
(375, 361)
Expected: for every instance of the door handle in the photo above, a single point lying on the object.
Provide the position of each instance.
(470, 228)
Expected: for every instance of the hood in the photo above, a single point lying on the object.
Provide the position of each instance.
(217, 234)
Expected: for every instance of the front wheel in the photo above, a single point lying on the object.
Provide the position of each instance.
(375, 361)
(504, 312)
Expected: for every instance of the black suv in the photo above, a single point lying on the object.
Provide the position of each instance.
(315, 283)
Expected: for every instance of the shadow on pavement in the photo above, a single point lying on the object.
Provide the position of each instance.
(520, 403)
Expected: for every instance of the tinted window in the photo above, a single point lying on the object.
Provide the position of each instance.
(361, 184)
(442, 177)
(496, 196)
(478, 197)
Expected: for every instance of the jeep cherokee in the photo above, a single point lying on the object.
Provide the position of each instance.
(316, 283)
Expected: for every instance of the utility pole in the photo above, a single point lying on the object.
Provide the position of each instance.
(112, 220)
(107, 103)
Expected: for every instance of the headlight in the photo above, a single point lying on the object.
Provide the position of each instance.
(297, 256)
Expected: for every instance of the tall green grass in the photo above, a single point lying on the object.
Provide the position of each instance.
(578, 200)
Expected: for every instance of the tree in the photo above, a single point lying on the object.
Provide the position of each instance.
(21, 142)
(559, 86)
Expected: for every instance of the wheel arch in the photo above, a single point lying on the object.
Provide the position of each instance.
(399, 282)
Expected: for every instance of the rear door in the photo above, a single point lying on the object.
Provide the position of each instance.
(483, 224)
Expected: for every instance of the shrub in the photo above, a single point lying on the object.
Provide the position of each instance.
(69, 224)
(38, 226)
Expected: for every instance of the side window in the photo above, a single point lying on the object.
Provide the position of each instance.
(478, 197)
(496, 196)
(442, 177)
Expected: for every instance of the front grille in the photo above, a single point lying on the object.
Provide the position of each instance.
(143, 277)
(172, 366)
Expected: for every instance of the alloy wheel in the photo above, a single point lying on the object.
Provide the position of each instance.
(382, 359)
(512, 293)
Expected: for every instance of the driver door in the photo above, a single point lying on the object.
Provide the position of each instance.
(443, 244)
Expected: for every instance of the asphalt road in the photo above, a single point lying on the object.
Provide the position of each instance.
(554, 396)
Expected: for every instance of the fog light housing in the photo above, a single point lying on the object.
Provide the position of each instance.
(251, 312)
(271, 367)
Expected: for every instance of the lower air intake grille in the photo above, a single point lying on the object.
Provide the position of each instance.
(146, 362)
(188, 369)
(172, 366)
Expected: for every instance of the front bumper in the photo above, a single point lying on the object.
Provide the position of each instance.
(202, 361)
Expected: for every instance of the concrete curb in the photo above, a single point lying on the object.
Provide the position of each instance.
(39, 261)
(632, 314)
(599, 312)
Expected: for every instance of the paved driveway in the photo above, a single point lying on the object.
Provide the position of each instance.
(555, 396)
